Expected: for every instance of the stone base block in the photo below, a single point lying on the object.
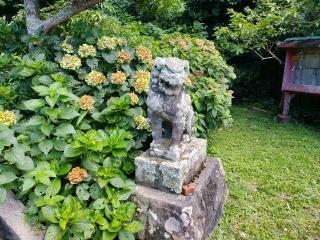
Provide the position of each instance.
(12, 223)
(170, 176)
(178, 217)
(283, 118)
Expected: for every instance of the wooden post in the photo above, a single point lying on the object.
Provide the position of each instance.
(286, 99)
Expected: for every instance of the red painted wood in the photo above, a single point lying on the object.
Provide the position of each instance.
(315, 90)
(289, 87)
(287, 83)
(286, 103)
(291, 59)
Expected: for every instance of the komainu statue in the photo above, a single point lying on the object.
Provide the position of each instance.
(169, 105)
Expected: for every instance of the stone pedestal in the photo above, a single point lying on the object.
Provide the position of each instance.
(283, 118)
(12, 223)
(178, 217)
(170, 176)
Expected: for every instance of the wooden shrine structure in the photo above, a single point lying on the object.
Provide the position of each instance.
(301, 71)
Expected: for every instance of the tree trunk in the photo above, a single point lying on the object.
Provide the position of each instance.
(32, 12)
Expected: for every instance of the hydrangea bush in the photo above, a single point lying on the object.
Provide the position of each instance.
(68, 139)
(67, 148)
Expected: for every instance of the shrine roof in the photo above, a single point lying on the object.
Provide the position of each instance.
(300, 42)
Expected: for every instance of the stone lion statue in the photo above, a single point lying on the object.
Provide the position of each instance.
(169, 103)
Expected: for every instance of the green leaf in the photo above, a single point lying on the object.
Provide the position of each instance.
(3, 195)
(64, 129)
(55, 199)
(26, 72)
(134, 227)
(36, 136)
(34, 104)
(128, 70)
(95, 191)
(125, 235)
(28, 183)
(70, 151)
(59, 144)
(43, 179)
(64, 169)
(90, 165)
(48, 212)
(46, 128)
(7, 138)
(92, 63)
(84, 227)
(81, 226)
(53, 113)
(51, 100)
(110, 57)
(102, 182)
(25, 165)
(99, 204)
(51, 201)
(81, 117)
(108, 235)
(15, 154)
(45, 79)
(100, 219)
(42, 90)
(117, 182)
(46, 146)
(7, 177)
(68, 114)
(40, 190)
(36, 120)
(82, 192)
(54, 187)
(54, 232)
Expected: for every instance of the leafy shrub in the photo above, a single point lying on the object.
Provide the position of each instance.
(73, 117)
(161, 9)
(62, 148)
(207, 65)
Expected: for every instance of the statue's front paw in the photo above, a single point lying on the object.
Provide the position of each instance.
(186, 138)
(174, 153)
(175, 149)
(154, 145)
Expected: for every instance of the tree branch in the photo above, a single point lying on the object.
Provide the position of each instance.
(76, 7)
(273, 56)
(35, 25)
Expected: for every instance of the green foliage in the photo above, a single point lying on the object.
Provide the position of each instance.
(67, 220)
(161, 9)
(214, 71)
(258, 29)
(210, 12)
(68, 153)
(252, 35)
(54, 134)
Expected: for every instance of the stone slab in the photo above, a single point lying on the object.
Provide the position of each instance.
(12, 224)
(177, 217)
(163, 150)
(170, 176)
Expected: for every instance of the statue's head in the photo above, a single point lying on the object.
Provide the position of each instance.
(169, 75)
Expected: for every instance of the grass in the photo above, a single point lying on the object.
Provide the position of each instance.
(273, 176)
